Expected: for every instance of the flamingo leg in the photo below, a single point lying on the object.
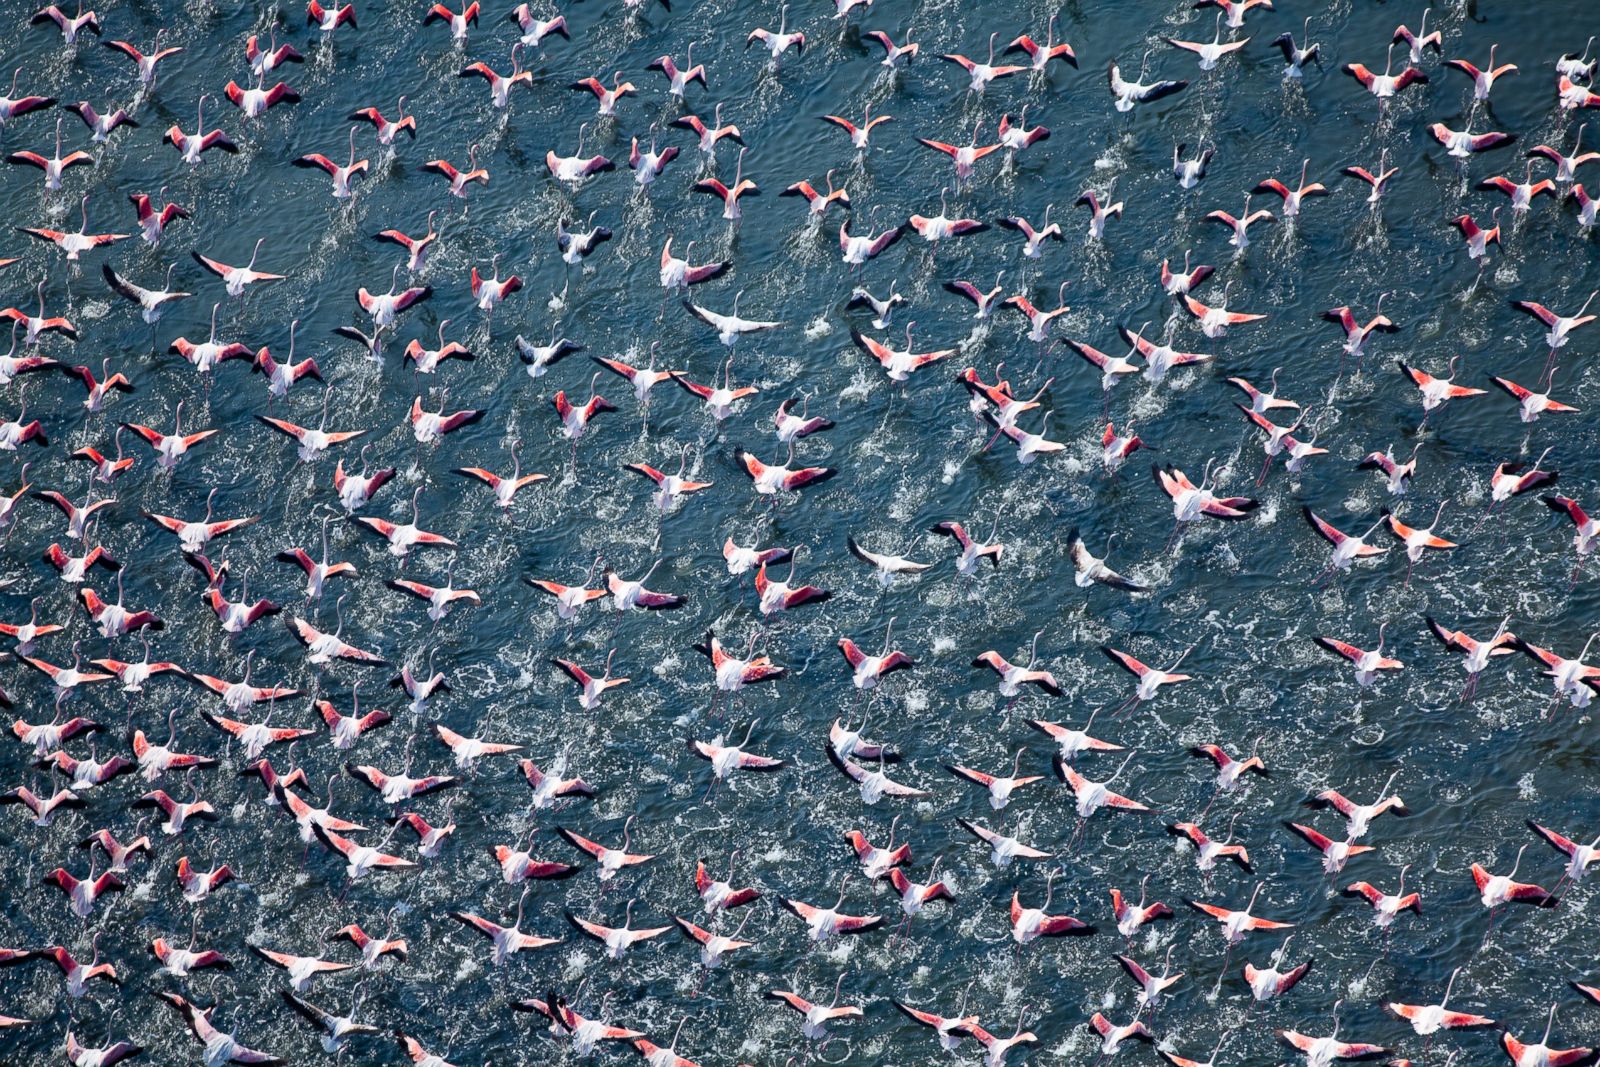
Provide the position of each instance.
(1175, 538)
(1226, 953)
(1488, 935)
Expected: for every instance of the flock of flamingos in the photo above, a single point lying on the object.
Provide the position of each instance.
(87, 674)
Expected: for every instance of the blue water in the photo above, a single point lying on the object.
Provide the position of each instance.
(1246, 596)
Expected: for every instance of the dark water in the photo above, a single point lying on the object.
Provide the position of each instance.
(1244, 595)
